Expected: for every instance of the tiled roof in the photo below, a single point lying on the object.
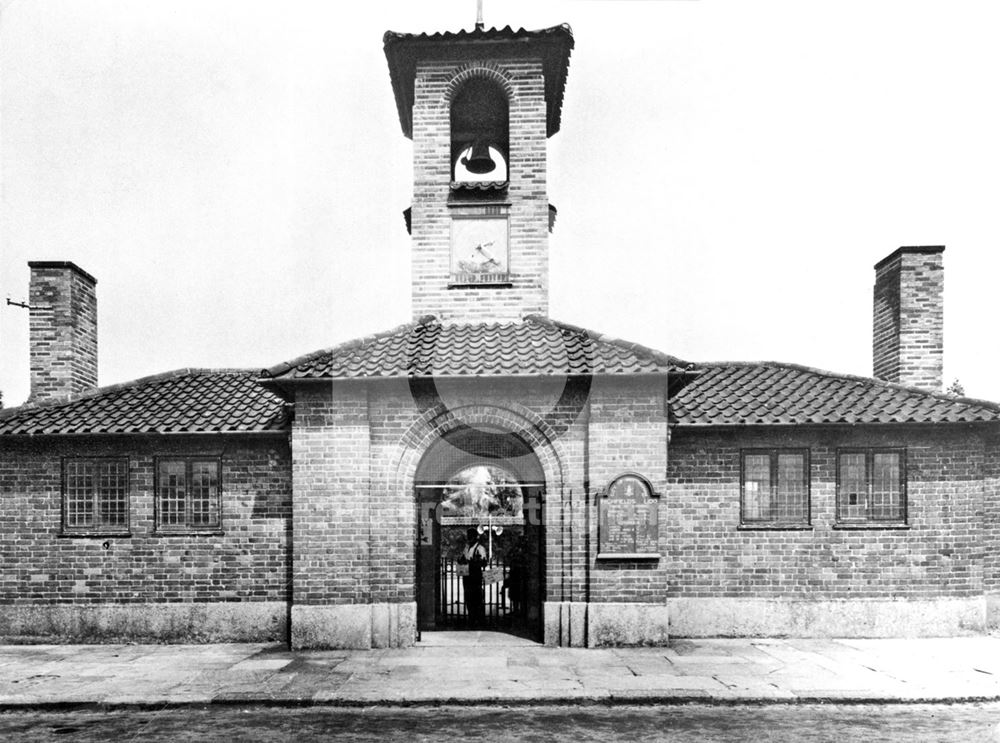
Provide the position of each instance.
(553, 45)
(184, 401)
(717, 394)
(533, 347)
(779, 394)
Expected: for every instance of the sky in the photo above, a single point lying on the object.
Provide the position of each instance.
(726, 175)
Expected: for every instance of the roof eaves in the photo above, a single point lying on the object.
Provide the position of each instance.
(390, 38)
(745, 423)
(269, 431)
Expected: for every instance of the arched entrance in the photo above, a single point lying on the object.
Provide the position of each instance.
(480, 542)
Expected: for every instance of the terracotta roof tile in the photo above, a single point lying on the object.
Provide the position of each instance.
(718, 394)
(735, 394)
(534, 347)
(485, 186)
(184, 401)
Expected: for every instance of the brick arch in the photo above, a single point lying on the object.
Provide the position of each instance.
(489, 70)
(438, 421)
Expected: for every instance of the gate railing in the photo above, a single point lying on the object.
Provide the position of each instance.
(453, 610)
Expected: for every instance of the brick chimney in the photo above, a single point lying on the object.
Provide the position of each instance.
(63, 330)
(908, 318)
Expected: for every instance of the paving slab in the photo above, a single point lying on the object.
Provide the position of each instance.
(488, 671)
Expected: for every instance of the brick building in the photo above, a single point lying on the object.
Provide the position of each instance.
(619, 495)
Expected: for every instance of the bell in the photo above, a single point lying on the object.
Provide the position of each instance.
(479, 160)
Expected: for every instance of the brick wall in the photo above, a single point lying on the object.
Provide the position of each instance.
(525, 202)
(991, 517)
(356, 451)
(246, 562)
(628, 433)
(356, 448)
(908, 318)
(940, 554)
(557, 434)
(331, 507)
(63, 330)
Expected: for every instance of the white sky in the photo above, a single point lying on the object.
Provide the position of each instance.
(727, 173)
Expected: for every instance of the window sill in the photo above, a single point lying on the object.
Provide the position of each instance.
(869, 525)
(774, 527)
(189, 532)
(105, 534)
(628, 556)
(481, 284)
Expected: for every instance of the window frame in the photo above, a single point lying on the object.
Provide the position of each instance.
(96, 528)
(869, 522)
(187, 527)
(773, 454)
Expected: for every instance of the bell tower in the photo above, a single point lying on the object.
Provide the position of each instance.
(479, 106)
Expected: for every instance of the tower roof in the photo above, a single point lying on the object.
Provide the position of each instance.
(552, 45)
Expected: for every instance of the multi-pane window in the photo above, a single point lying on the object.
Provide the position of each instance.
(188, 494)
(775, 487)
(95, 495)
(871, 486)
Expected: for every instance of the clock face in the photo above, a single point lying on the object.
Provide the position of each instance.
(479, 253)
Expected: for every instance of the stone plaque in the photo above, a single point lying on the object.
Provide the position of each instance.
(628, 524)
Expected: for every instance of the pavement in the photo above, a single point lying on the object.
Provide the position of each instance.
(484, 668)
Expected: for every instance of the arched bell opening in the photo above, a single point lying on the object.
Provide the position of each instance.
(480, 554)
(480, 132)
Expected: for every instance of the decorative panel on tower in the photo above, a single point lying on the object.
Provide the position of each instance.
(479, 249)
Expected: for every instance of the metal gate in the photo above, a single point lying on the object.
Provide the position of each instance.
(513, 575)
(498, 608)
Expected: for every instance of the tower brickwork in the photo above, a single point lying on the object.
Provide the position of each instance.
(480, 239)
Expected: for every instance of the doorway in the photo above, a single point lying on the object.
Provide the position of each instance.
(480, 541)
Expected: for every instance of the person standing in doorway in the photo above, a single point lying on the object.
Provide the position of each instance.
(474, 555)
(517, 574)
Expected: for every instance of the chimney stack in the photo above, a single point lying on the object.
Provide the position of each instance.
(63, 330)
(908, 318)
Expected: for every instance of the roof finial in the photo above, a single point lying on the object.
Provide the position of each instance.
(479, 15)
